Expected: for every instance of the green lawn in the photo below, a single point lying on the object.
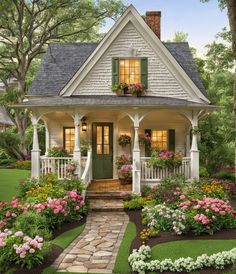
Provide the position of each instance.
(122, 265)
(9, 179)
(190, 248)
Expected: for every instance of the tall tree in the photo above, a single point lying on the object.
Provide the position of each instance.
(28, 26)
(231, 8)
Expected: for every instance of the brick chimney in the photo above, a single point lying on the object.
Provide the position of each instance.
(153, 19)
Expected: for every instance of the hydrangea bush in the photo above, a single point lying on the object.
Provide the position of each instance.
(140, 261)
(20, 249)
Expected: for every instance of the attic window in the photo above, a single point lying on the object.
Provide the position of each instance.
(129, 71)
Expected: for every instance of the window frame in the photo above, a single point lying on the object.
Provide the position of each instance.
(64, 138)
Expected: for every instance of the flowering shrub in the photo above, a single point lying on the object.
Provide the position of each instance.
(136, 89)
(9, 212)
(218, 260)
(208, 215)
(71, 167)
(20, 249)
(145, 139)
(42, 193)
(124, 140)
(161, 217)
(165, 159)
(58, 210)
(213, 189)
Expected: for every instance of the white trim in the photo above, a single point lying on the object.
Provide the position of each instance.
(131, 15)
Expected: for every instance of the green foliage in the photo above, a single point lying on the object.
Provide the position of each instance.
(180, 36)
(32, 224)
(10, 142)
(23, 164)
(137, 203)
(217, 129)
(57, 152)
(203, 172)
(225, 175)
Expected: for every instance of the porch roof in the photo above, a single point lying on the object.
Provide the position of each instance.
(112, 100)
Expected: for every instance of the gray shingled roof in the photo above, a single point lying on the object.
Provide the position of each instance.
(61, 62)
(111, 101)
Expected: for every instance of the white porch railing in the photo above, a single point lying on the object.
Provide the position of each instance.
(87, 173)
(151, 174)
(58, 165)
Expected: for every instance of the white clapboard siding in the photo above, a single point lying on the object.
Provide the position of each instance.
(160, 81)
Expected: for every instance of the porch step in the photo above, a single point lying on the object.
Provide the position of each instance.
(108, 195)
(106, 204)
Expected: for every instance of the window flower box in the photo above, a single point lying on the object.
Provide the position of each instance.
(120, 89)
(137, 90)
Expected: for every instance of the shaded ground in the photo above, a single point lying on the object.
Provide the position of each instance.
(225, 234)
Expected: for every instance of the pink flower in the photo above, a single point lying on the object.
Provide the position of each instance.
(8, 214)
(19, 234)
(182, 197)
(31, 250)
(222, 213)
(56, 211)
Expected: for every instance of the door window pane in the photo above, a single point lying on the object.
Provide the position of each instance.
(106, 149)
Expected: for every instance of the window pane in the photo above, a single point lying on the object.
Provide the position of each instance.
(159, 139)
(106, 149)
(99, 149)
(130, 71)
(99, 135)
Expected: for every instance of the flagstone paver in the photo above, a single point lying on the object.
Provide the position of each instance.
(95, 250)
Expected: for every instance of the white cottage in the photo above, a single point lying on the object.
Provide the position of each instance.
(73, 87)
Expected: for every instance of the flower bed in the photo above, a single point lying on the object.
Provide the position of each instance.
(219, 261)
(165, 159)
(45, 204)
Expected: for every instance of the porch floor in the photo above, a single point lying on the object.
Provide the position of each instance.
(108, 185)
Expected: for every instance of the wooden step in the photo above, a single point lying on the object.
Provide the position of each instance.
(106, 205)
(104, 195)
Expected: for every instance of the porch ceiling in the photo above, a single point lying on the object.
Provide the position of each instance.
(113, 101)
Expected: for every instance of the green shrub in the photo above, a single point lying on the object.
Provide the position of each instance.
(146, 190)
(23, 164)
(32, 224)
(137, 203)
(70, 184)
(203, 172)
(225, 175)
(4, 162)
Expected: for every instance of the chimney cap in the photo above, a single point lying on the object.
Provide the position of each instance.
(153, 13)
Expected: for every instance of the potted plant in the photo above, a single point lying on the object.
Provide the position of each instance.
(120, 89)
(124, 140)
(145, 139)
(136, 90)
(71, 168)
(124, 168)
(126, 174)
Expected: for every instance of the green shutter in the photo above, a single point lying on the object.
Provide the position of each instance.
(148, 148)
(144, 71)
(171, 143)
(115, 71)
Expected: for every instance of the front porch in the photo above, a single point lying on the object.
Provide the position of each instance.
(101, 130)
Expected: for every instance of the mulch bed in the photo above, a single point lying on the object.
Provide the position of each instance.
(55, 251)
(163, 237)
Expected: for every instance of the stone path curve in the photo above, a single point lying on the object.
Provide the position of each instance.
(95, 250)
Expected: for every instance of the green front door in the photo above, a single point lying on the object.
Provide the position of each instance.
(102, 150)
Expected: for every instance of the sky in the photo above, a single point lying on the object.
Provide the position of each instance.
(202, 21)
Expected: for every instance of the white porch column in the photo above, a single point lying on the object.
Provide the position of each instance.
(47, 138)
(194, 152)
(35, 152)
(77, 153)
(136, 178)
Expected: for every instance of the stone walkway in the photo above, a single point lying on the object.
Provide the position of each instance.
(95, 250)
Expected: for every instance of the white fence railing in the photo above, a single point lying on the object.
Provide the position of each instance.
(58, 165)
(151, 174)
(87, 173)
